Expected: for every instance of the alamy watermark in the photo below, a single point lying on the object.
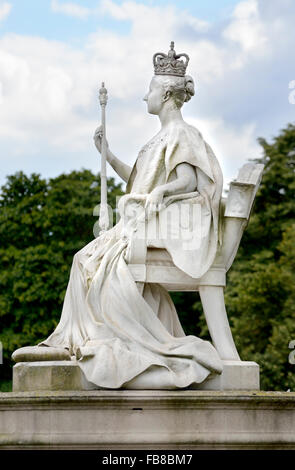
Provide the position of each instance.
(291, 96)
(181, 221)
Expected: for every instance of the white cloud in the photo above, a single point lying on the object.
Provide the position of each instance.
(45, 85)
(49, 90)
(5, 9)
(70, 9)
(142, 14)
(246, 27)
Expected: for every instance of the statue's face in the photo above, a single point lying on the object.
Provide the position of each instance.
(155, 97)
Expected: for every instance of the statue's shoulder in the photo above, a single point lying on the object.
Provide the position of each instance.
(184, 132)
(194, 131)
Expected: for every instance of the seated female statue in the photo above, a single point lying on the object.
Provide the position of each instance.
(121, 337)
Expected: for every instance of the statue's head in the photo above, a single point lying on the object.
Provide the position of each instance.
(170, 86)
(171, 90)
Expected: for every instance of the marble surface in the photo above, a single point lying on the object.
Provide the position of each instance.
(67, 375)
(131, 419)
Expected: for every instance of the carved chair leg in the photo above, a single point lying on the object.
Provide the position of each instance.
(212, 298)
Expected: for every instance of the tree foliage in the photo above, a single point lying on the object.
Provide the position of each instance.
(260, 296)
(44, 223)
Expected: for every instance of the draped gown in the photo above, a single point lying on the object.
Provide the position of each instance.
(118, 334)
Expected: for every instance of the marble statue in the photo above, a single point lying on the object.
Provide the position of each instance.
(121, 328)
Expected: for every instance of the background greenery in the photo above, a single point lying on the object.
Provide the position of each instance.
(44, 223)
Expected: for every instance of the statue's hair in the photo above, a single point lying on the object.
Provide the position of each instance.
(181, 88)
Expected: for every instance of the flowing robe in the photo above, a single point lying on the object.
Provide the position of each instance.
(116, 333)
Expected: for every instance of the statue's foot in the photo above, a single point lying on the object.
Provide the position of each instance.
(40, 353)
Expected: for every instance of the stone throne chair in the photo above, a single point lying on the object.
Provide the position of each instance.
(149, 262)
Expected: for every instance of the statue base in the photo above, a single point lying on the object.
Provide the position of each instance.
(147, 419)
(67, 375)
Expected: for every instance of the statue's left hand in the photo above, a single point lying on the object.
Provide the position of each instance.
(154, 202)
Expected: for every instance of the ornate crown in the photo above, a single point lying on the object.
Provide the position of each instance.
(168, 64)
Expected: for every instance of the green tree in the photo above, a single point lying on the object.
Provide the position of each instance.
(260, 295)
(42, 225)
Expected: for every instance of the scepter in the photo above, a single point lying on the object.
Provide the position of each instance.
(103, 213)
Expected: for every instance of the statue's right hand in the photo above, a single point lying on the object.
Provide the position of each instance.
(98, 138)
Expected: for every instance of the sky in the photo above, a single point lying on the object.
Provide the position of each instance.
(54, 54)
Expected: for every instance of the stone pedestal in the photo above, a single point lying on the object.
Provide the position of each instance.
(236, 375)
(147, 419)
(49, 375)
(67, 375)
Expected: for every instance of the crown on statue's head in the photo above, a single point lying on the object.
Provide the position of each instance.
(169, 64)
